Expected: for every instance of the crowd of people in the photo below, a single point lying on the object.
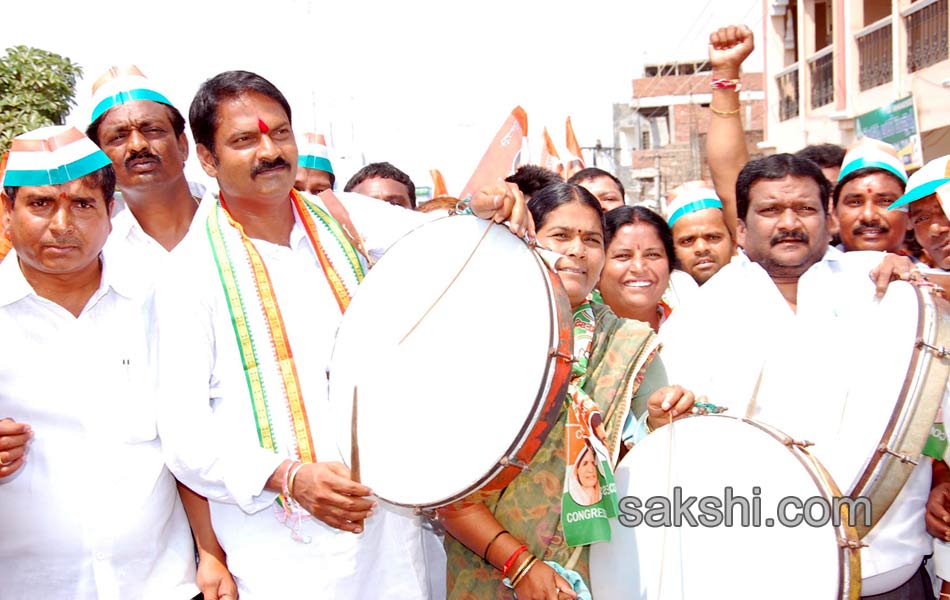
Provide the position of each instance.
(163, 392)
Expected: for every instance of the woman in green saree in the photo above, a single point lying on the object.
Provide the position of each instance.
(532, 537)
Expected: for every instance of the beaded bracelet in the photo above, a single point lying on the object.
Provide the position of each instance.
(523, 571)
(488, 547)
(511, 559)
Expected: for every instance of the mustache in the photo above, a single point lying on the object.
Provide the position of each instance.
(795, 236)
(142, 154)
(63, 240)
(266, 165)
(862, 227)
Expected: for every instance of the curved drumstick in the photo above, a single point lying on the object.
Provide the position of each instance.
(355, 449)
(451, 281)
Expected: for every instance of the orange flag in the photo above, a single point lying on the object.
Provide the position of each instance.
(576, 161)
(439, 188)
(549, 157)
(503, 155)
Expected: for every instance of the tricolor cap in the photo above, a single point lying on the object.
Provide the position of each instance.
(690, 197)
(872, 154)
(313, 153)
(119, 85)
(925, 181)
(52, 156)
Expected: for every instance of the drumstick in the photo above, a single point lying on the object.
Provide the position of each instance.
(452, 281)
(355, 450)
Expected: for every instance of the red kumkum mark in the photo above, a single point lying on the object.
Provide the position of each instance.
(262, 126)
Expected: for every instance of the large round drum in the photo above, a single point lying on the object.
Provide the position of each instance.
(892, 362)
(457, 346)
(729, 461)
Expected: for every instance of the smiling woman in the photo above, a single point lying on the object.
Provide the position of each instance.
(565, 501)
(640, 257)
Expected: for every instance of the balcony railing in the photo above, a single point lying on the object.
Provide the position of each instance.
(822, 75)
(875, 55)
(787, 82)
(926, 25)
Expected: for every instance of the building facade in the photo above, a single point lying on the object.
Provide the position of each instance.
(839, 69)
(660, 134)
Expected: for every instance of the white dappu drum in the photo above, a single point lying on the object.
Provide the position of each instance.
(705, 456)
(451, 400)
(895, 374)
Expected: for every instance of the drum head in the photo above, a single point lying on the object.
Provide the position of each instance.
(710, 456)
(439, 408)
(874, 361)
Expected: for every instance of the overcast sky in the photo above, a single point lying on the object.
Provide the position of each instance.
(421, 84)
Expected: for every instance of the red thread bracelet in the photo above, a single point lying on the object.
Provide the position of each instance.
(512, 558)
(725, 84)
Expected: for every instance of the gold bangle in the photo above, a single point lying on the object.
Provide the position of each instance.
(523, 572)
(725, 113)
(520, 569)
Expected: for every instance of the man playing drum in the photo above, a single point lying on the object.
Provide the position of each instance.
(758, 320)
(244, 419)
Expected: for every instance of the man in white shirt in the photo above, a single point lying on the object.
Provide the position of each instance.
(143, 135)
(89, 510)
(760, 338)
(248, 322)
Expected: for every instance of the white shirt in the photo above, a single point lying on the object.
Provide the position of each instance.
(93, 513)
(209, 432)
(738, 338)
(144, 256)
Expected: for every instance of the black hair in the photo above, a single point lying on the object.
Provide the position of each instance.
(530, 179)
(203, 114)
(556, 195)
(591, 173)
(103, 179)
(631, 215)
(826, 156)
(778, 166)
(861, 173)
(177, 121)
(382, 170)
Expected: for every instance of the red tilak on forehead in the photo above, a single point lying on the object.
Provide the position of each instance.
(870, 191)
(262, 126)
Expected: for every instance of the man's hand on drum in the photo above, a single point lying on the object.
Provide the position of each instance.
(14, 440)
(543, 583)
(892, 268)
(938, 517)
(670, 402)
(325, 490)
(501, 202)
